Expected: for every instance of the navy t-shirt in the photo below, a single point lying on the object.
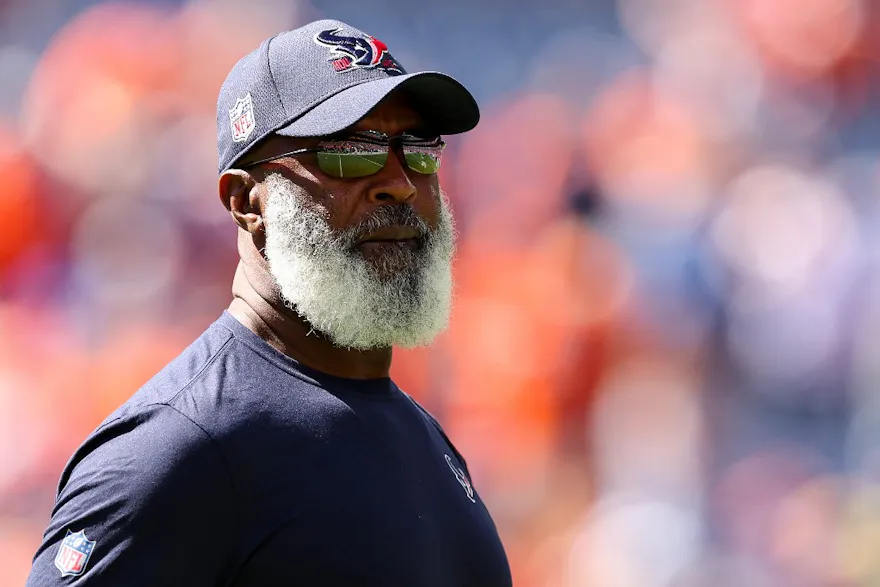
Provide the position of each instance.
(237, 466)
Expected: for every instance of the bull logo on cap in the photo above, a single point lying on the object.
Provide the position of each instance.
(349, 53)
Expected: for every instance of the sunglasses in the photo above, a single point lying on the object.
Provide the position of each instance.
(364, 153)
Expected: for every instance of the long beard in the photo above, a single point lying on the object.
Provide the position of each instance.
(401, 299)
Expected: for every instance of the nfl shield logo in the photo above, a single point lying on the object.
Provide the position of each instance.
(73, 556)
(241, 117)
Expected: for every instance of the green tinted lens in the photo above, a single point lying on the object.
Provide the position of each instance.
(422, 160)
(360, 159)
(353, 164)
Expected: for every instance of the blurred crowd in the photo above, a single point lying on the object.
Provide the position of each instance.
(663, 356)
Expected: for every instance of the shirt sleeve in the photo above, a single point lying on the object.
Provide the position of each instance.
(145, 501)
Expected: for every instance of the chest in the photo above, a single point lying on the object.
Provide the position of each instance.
(362, 506)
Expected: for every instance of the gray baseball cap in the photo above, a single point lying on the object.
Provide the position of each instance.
(320, 79)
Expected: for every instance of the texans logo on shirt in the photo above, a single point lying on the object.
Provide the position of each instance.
(349, 53)
(462, 479)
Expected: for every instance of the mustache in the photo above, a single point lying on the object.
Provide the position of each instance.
(384, 217)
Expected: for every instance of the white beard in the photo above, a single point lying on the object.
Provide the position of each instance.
(356, 303)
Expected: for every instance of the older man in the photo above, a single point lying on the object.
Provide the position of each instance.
(276, 450)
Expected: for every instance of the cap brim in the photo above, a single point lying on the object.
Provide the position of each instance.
(446, 106)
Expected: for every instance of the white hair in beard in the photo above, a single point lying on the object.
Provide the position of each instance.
(357, 303)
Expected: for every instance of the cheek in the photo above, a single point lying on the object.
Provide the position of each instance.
(427, 204)
(342, 207)
(345, 204)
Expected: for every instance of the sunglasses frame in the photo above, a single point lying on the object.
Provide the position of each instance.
(374, 137)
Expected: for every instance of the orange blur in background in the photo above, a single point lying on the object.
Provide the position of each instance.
(663, 360)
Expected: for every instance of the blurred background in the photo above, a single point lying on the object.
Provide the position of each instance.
(663, 356)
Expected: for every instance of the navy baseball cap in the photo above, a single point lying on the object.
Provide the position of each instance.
(320, 79)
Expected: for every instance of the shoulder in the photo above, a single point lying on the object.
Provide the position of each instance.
(435, 424)
(203, 358)
(211, 383)
(155, 479)
(156, 443)
(425, 414)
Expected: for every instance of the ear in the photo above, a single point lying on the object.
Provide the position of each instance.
(239, 192)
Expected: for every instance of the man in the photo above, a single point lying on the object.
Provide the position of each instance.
(275, 450)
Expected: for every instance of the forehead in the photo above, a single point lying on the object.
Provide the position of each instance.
(393, 115)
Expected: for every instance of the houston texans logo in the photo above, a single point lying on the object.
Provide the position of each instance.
(461, 478)
(350, 53)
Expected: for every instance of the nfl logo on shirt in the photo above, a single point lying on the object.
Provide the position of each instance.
(73, 556)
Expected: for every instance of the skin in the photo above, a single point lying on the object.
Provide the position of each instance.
(256, 300)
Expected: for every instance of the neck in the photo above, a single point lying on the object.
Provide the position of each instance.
(258, 306)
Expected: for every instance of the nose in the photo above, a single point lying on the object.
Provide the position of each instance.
(392, 185)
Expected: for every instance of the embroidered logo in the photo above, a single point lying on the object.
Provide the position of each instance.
(348, 53)
(462, 479)
(241, 118)
(74, 553)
